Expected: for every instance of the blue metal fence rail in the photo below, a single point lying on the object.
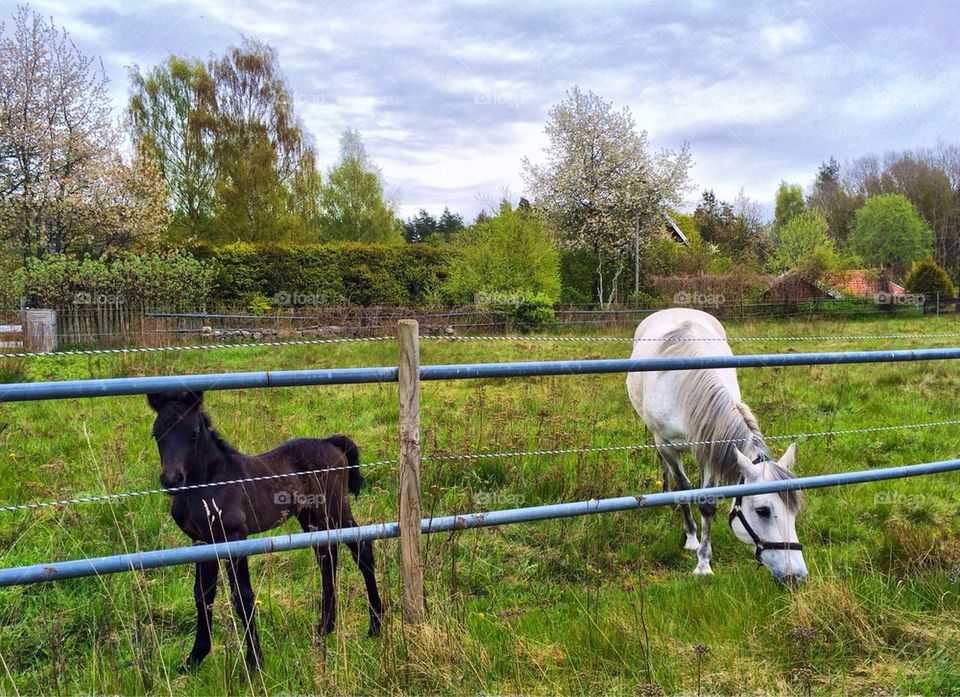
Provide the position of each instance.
(99, 566)
(67, 389)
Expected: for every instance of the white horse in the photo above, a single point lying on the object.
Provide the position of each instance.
(696, 406)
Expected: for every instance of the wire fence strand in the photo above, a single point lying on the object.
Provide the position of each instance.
(470, 456)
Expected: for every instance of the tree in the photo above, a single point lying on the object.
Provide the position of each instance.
(452, 223)
(736, 230)
(889, 232)
(353, 207)
(511, 253)
(420, 227)
(600, 181)
(804, 245)
(63, 185)
(930, 279)
(789, 203)
(830, 197)
(266, 171)
(173, 119)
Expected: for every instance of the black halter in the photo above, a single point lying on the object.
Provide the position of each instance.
(760, 545)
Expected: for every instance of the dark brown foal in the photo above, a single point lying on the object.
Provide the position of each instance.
(191, 453)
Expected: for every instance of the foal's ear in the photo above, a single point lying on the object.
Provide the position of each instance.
(156, 400)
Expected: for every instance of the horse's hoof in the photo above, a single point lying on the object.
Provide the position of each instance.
(691, 542)
(704, 570)
(373, 632)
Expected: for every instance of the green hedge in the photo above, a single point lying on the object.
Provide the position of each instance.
(172, 281)
(328, 274)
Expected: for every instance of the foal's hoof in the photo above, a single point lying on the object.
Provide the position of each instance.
(374, 631)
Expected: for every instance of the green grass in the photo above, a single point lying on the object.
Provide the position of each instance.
(563, 606)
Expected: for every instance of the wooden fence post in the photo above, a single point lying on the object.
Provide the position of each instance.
(40, 330)
(411, 568)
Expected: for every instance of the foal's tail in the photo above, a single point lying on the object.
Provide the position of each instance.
(349, 448)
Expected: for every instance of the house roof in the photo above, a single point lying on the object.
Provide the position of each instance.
(676, 231)
(864, 282)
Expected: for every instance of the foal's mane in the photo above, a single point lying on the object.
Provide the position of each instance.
(712, 414)
(215, 436)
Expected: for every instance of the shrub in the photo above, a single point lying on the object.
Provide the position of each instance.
(929, 278)
(172, 281)
(509, 253)
(328, 274)
(524, 312)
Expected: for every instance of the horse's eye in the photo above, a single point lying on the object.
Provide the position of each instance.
(763, 511)
(196, 433)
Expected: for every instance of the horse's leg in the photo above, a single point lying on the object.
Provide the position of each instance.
(204, 593)
(708, 509)
(244, 605)
(363, 555)
(327, 559)
(672, 461)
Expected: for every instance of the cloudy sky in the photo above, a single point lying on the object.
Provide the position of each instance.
(449, 98)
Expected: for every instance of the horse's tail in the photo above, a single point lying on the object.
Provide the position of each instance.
(352, 453)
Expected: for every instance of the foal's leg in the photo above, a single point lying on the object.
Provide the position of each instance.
(672, 461)
(204, 593)
(363, 554)
(704, 552)
(244, 605)
(327, 561)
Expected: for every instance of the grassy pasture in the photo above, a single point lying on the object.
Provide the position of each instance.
(597, 604)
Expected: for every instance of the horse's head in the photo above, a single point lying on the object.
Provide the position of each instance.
(181, 432)
(768, 521)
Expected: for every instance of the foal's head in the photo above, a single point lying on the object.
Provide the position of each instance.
(183, 435)
(769, 521)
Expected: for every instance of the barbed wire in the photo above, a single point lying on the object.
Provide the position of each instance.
(188, 487)
(469, 456)
(194, 347)
(836, 337)
(448, 337)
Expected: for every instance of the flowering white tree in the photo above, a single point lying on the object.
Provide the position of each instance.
(62, 183)
(600, 182)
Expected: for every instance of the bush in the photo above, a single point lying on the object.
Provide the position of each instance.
(174, 281)
(929, 278)
(524, 312)
(328, 274)
(509, 253)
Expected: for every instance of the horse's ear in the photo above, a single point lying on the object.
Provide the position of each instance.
(156, 400)
(789, 457)
(746, 466)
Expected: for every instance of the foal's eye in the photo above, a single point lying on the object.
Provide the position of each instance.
(763, 511)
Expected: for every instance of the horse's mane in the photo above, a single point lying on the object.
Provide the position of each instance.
(712, 414)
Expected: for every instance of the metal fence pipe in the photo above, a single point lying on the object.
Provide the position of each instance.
(17, 392)
(260, 545)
